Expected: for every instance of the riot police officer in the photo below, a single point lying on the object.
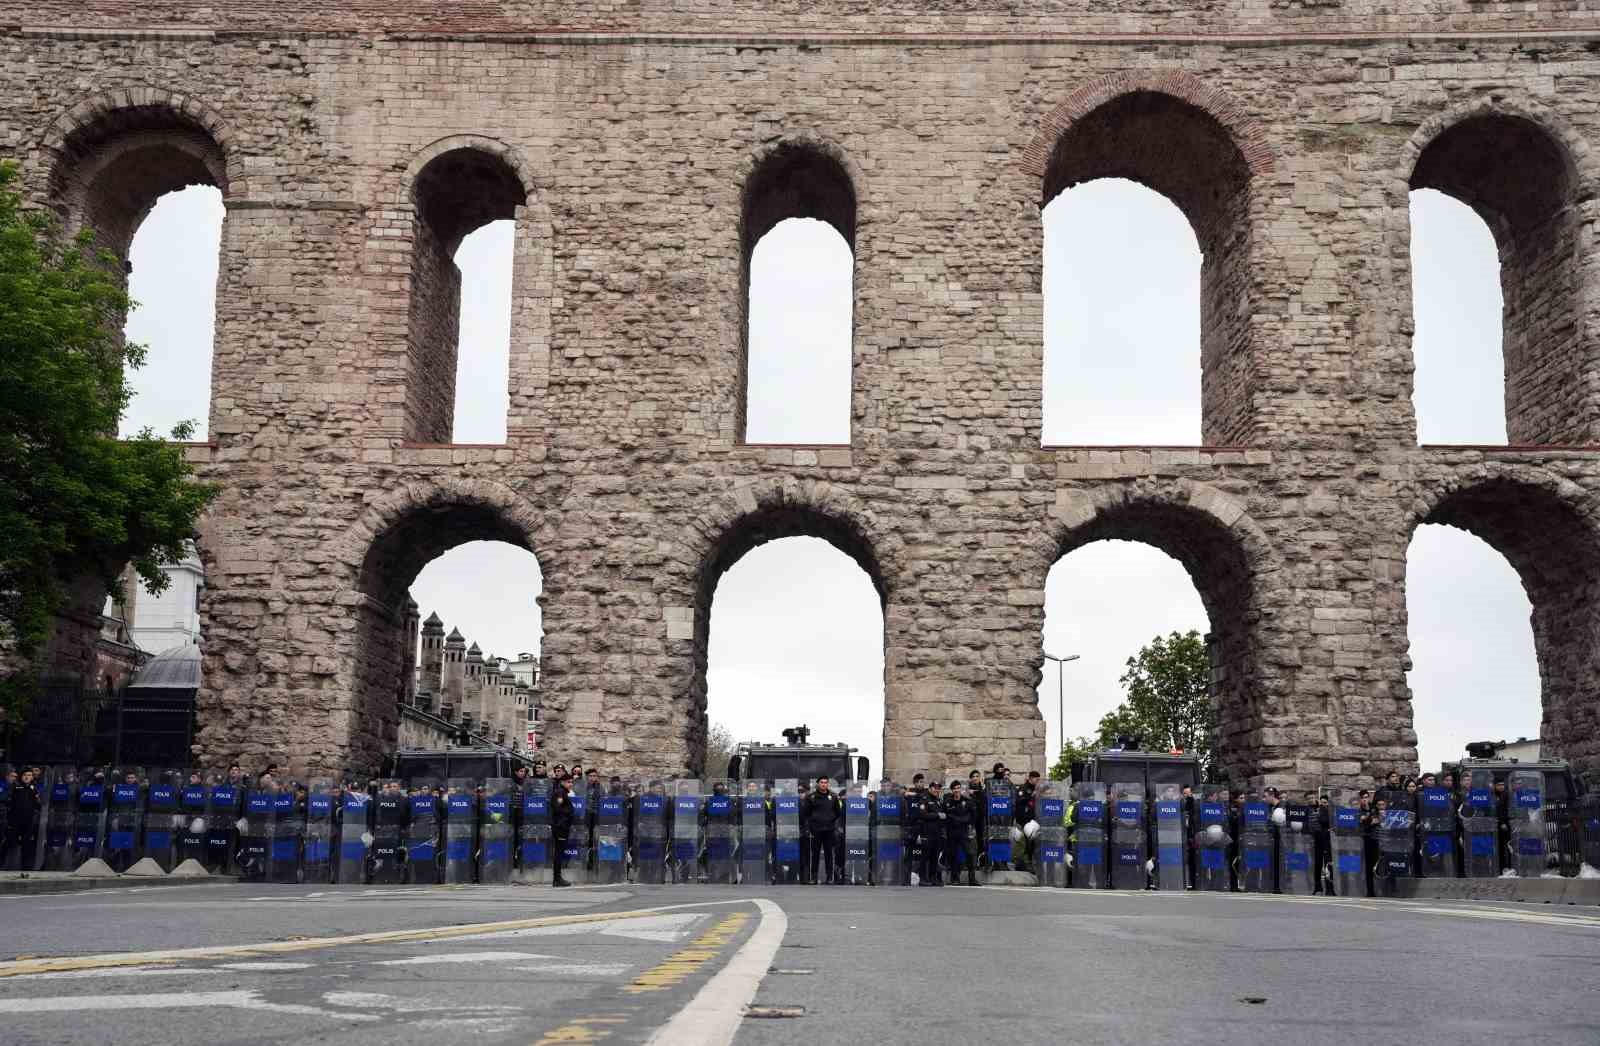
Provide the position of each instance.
(560, 823)
(911, 829)
(821, 815)
(931, 816)
(958, 818)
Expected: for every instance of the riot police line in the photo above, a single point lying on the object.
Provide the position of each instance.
(538, 830)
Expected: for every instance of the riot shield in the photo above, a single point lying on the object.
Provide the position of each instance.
(720, 835)
(1297, 850)
(858, 837)
(686, 831)
(1346, 843)
(1088, 830)
(164, 820)
(318, 858)
(1211, 841)
(355, 833)
(422, 832)
(224, 810)
(389, 809)
(255, 832)
(60, 819)
(1480, 828)
(494, 837)
(891, 848)
(1051, 806)
(288, 825)
(125, 817)
(1128, 838)
(193, 800)
(787, 864)
(461, 829)
(1437, 823)
(534, 832)
(89, 824)
(1396, 837)
(1589, 827)
(611, 837)
(1525, 812)
(1170, 837)
(1255, 845)
(753, 845)
(575, 854)
(650, 827)
(998, 815)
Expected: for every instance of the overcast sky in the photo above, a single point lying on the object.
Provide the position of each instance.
(796, 626)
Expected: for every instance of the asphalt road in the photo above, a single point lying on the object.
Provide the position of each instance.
(243, 964)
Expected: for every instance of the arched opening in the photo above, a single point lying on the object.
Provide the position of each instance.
(1103, 603)
(457, 194)
(439, 580)
(1520, 180)
(1459, 390)
(790, 631)
(1136, 570)
(1183, 153)
(1121, 318)
(798, 237)
(1473, 666)
(149, 181)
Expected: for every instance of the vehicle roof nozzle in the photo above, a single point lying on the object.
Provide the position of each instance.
(797, 735)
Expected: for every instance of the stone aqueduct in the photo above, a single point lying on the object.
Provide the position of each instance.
(644, 145)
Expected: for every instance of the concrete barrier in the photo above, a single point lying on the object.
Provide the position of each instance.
(1527, 891)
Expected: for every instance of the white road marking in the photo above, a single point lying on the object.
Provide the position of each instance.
(432, 960)
(264, 966)
(124, 971)
(660, 928)
(713, 1016)
(237, 1000)
(578, 969)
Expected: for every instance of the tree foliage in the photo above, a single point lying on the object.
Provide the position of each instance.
(1166, 705)
(720, 744)
(75, 501)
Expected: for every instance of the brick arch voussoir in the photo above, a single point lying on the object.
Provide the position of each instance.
(1585, 168)
(1073, 517)
(53, 139)
(500, 149)
(816, 141)
(384, 513)
(1584, 505)
(1249, 136)
(703, 537)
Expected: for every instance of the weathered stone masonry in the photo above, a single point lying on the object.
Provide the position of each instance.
(355, 143)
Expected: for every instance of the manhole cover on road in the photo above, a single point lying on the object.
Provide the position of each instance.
(1254, 1000)
(775, 1012)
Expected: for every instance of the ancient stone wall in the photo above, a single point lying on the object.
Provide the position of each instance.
(1290, 140)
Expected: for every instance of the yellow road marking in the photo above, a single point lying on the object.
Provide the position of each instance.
(23, 967)
(680, 965)
(581, 1030)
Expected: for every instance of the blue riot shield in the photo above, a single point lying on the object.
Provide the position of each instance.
(686, 831)
(494, 831)
(164, 821)
(422, 832)
(1480, 827)
(891, 846)
(650, 829)
(1436, 817)
(1255, 846)
(1396, 843)
(224, 811)
(125, 817)
(318, 860)
(1297, 848)
(288, 825)
(88, 833)
(721, 833)
(60, 819)
(1345, 841)
(998, 814)
(461, 829)
(1050, 802)
(255, 835)
(611, 837)
(858, 836)
(787, 856)
(1128, 836)
(754, 845)
(1088, 831)
(1171, 838)
(535, 832)
(1212, 840)
(355, 833)
(193, 809)
(575, 864)
(1525, 812)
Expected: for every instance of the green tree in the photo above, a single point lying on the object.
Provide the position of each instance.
(1167, 702)
(75, 501)
(1074, 749)
(720, 744)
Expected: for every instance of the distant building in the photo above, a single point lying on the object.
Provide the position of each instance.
(154, 623)
(481, 694)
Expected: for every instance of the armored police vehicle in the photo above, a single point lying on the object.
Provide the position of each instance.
(797, 760)
(444, 764)
(1562, 795)
(1129, 765)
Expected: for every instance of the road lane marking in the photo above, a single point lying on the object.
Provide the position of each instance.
(25, 967)
(577, 969)
(685, 962)
(237, 1000)
(432, 960)
(712, 1017)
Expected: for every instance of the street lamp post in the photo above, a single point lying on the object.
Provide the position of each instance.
(1061, 723)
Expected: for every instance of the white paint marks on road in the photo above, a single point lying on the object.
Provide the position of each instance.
(660, 928)
(713, 1016)
(235, 1000)
(125, 971)
(266, 967)
(577, 969)
(433, 960)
